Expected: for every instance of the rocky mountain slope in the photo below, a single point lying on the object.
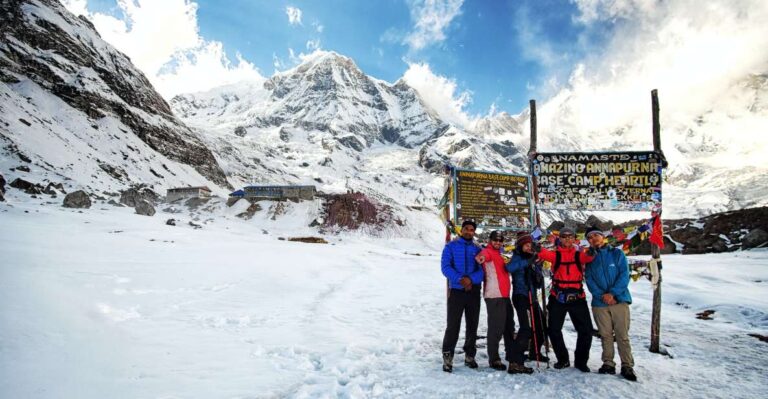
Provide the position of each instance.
(75, 110)
(325, 122)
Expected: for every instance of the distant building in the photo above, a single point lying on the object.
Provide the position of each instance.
(187, 192)
(276, 192)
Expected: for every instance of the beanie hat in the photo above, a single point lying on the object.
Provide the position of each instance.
(566, 231)
(594, 230)
(522, 240)
(469, 222)
(496, 234)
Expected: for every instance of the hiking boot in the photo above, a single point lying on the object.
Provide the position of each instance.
(583, 368)
(516, 368)
(562, 365)
(470, 362)
(628, 373)
(498, 365)
(606, 369)
(447, 362)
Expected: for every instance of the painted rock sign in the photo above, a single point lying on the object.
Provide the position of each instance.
(496, 200)
(613, 181)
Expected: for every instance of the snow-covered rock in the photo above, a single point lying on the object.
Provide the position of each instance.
(77, 199)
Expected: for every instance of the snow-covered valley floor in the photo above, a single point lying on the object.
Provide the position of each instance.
(108, 304)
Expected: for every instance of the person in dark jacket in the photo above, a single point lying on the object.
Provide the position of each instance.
(607, 277)
(526, 277)
(567, 296)
(464, 276)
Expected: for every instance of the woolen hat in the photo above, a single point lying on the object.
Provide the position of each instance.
(522, 240)
(567, 230)
(496, 234)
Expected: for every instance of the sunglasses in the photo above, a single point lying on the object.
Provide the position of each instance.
(567, 236)
(498, 240)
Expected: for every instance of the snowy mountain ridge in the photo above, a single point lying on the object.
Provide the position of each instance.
(81, 113)
(325, 122)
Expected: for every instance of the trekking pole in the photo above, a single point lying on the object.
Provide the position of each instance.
(543, 316)
(533, 324)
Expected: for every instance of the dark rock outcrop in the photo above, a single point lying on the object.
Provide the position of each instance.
(354, 210)
(603, 225)
(77, 199)
(132, 196)
(719, 232)
(27, 187)
(309, 240)
(2, 184)
(144, 208)
(105, 81)
(755, 238)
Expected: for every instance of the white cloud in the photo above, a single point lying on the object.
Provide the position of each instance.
(313, 45)
(77, 7)
(318, 27)
(698, 54)
(161, 37)
(294, 15)
(431, 19)
(439, 93)
(529, 36)
(277, 63)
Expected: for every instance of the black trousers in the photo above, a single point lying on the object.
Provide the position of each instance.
(525, 333)
(501, 323)
(466, 303)
(582, 322)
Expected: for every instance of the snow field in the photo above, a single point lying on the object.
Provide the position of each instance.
(106, 303)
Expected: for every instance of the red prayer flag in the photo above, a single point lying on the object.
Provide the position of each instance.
(657, 233)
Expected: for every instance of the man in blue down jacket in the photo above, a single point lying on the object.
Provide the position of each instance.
(464, 278)
(607, 278)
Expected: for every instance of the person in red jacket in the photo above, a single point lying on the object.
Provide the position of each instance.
(567, 296)
(501, 315)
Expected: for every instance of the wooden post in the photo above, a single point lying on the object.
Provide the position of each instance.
(535, 194)
(532, 154)
(532, 149)
(655, 250)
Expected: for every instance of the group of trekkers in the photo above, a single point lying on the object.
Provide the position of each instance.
(468, 266)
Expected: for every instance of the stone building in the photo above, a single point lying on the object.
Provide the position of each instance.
(276, 193)
(187, 192)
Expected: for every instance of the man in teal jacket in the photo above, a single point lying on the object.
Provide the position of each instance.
(607, 277)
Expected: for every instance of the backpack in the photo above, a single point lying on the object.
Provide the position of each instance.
(574, 275)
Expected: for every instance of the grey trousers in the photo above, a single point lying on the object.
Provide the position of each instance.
(613, 320)
(501, 323)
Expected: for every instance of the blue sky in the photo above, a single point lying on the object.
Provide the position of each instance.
(498, 53)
